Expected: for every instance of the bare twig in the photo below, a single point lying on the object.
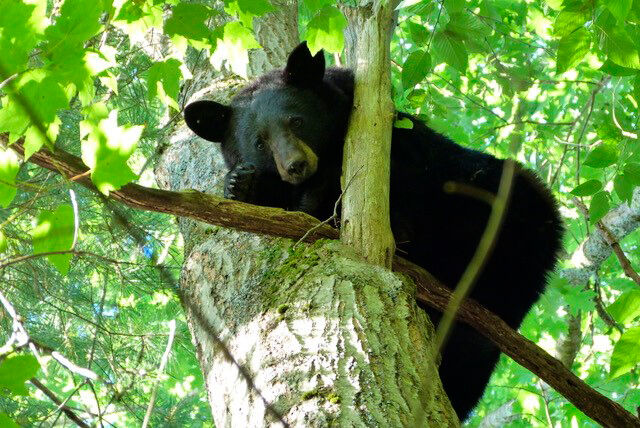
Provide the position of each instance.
(163, 363)
(65, 409)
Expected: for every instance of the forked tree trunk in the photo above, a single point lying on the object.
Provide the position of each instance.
(293, 334)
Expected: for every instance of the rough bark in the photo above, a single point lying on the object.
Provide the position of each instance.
(366, 225)
(594, 250)
(295, 335)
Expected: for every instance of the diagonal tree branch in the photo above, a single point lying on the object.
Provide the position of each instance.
(277, 222)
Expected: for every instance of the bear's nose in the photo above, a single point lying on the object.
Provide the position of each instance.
(297, 167)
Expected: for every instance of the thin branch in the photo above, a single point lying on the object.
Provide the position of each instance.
(66, 409)
(611, 239)
(163, 363)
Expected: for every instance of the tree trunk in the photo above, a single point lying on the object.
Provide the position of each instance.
(294, 334)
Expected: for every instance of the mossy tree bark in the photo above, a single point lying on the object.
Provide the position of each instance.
(365, 205)
(295, 335)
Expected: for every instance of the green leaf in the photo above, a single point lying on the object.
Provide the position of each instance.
(451, 50)
(599, 207)
(15, 371)
(404, 123)
(603, 155)
(3, 243)
(7, 422)
(326, 30)
(626, 307)
(454, 6)
(164, 81)
(609, 67)
(636, 87)
(415, 68)
(314, 5)
(621, 48)
(468, 26)
(419, 33)
(9, 165)
(619, 8)
(27, 19)
(234, 45)
(255, 7)
(106, 151)
(189, 20)
(587, 188)
(572, 49)
(632, 171)
(626, 353)
(569, 21)
(54, 232)
(576, 298)
(623, 187)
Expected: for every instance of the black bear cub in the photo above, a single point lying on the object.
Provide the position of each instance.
(282, 139)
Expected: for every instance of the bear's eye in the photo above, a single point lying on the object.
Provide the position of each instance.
(296, 121)
(259, 144)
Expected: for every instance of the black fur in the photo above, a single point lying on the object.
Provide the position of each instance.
(433, 228)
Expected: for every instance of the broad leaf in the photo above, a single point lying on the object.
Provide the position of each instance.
(619, 8)
(626, 307)
(54, 232)
(15, 371)
(587, 188)
(623, 187)
(415, 68)
(164, 81)
(106, 151)
(326, 30)
(621, 48)
(626, 353)
(599, 207)
(451, 50)
(603, 155)
(189, 20)
(572, 49)
(9, 165)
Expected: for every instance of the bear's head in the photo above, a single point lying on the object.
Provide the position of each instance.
(286, 123)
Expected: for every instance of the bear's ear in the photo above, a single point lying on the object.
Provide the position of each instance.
(208, 119)
(303, 69)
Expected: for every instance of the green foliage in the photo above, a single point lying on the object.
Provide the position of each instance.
(15, 371)
(9, 165)
(626, 353)
(325, 30)
(54, 232)
(626, 307)
(555, 84)
(415, 68)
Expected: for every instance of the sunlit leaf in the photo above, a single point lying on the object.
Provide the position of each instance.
(603, 155)
(326, 30)
(189, 20)
(9, 165)
(451, 50)
(54, 232)
(626, 307)
(404, 123)
(572, 49)
(7, 422)
(621, 48)
(619, 8)
(106, 151)
(626, 352)
(15, 371)
(632, 171)
(454, 6)
(4, 244)
(233, 45)
(569, 21)
(587, 188)
(164, 81)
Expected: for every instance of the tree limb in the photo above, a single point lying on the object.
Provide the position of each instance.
(277, 222)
